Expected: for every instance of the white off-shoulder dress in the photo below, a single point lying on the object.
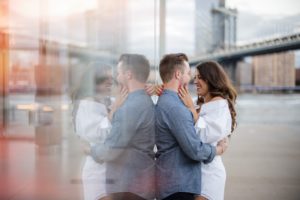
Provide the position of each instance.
(213, 125)
(93, 126)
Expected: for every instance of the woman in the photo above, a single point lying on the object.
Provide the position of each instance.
(93, 109)
(215, 119)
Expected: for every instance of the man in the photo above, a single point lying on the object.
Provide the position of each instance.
(180, 151)
(128, 150)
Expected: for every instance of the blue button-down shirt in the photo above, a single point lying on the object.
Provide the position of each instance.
(180, 150)
(128, 150)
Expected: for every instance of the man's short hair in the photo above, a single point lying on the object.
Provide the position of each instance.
(169, 64)
(137, 64)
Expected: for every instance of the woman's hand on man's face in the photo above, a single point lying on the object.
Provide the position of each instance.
(121, 97)
(185, 96)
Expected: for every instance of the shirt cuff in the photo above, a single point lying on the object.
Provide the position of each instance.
(212, 155)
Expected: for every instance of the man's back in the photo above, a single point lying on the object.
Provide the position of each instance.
(180, 152)
(133, 132)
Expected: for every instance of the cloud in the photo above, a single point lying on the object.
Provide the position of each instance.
(267, 8)
(262, 28)
(266, 18)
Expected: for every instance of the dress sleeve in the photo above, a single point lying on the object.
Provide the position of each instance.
(214, 125)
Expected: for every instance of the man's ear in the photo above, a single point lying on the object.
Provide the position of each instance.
(177, 74)
(128, 75)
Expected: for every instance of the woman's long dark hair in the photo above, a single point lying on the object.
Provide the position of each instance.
(96, 73)
(220, 85)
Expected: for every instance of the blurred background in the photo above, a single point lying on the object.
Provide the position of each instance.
(46, 46)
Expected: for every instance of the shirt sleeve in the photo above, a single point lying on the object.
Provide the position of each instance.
(123, 128)
(182, 127)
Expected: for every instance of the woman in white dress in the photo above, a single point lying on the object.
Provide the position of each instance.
(215, 119)
(93, 109)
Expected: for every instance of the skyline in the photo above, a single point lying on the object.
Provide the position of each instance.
(265, 17)
(261, 14)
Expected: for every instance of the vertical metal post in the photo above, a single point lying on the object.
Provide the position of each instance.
(162, 27)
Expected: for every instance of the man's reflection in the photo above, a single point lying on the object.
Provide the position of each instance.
(128, 149)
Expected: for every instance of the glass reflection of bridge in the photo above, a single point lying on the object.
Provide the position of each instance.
(236, 52)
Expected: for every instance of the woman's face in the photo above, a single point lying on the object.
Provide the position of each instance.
(201, 85)
(105, 87)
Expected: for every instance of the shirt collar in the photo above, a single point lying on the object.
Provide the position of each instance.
(136, 93)
(171, 93)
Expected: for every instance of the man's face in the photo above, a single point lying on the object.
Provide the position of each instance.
(121, 76)
(186, 75)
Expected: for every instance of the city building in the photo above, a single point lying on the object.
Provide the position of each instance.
(274, 70)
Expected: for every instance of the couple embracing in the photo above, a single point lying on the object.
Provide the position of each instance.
(170, 150)
(190, 135)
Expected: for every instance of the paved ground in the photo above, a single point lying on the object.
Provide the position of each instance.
(263, 161)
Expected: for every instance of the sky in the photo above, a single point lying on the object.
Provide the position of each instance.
(263, 8)
(267, 8)
(266, 17)
(53, 8)
(261, 14)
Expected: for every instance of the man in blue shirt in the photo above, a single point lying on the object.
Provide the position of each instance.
(128, 150)
(180, 151)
